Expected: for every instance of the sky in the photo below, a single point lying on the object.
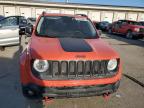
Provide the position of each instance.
(137, 3)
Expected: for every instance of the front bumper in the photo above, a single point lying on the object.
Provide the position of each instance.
(138, 34)
(35, 91)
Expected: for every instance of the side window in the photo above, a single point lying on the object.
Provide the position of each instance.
(124, 23)
(116, 25)
(119, 23)
(10, 21)
(2, 22)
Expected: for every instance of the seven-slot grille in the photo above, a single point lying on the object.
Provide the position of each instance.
(75, 70)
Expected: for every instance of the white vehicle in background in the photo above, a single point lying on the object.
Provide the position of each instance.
(9, 35)
(10, 28)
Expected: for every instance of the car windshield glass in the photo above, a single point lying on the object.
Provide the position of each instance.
(133, 23)
(105, 22)
(32, 19)
(141, 23)
(65, 26)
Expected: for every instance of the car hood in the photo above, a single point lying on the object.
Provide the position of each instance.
(70, 49)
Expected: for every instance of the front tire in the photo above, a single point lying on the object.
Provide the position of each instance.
(129, 35)
(110, 31)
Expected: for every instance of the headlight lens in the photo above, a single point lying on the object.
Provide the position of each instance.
(137, 29)
(40, 65)
(112, 64)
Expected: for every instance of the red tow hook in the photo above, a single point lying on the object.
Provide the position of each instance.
(47, 100)
(106, 96)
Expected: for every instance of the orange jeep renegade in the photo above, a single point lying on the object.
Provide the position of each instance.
(67, 58)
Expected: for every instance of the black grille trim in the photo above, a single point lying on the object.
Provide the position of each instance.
(61, 70)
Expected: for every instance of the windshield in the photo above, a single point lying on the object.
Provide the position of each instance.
(104, 23)
(141, 23)
(32, 20)
(133, 23)
(65, 26)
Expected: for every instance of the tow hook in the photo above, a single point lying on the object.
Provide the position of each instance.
(106, 96)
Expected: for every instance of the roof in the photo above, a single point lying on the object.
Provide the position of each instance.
(70, 15)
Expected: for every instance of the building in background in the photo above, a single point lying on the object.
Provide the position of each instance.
(32, 8)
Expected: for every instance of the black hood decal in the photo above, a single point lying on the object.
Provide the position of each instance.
(75, 45)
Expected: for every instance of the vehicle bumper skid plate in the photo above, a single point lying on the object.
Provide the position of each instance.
(35, 91)
(138, 34)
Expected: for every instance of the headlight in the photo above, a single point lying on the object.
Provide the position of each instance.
(137, 29)
(112, 64)
(40, 65)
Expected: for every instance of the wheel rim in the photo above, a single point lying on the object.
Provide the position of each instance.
(129, 35)
(110, 31)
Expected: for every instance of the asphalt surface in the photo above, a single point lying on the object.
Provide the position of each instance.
(129, 95)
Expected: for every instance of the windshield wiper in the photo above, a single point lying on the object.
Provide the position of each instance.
(82, 37)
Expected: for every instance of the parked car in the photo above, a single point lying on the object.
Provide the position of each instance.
(103, 25)
(131, 29)
(96, 24)
(1, 17)
(9, 36)
(141, 23)
(30, 23)
(15, 20)
(10, 28)
(67, 58)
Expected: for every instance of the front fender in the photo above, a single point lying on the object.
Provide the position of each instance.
(24, 61)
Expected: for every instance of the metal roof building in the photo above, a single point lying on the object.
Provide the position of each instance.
(33, 8)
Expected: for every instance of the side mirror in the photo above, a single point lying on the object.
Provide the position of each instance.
(99, 33)
(29, 30)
